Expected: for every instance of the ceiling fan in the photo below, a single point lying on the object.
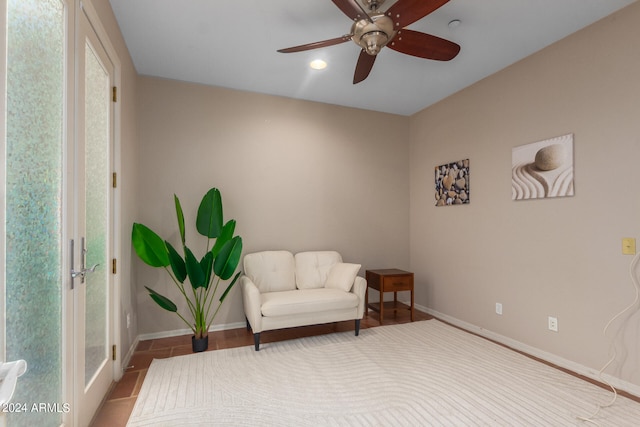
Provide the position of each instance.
(374, 30)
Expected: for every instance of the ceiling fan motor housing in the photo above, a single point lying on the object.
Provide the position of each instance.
(373, 35)
(373, 4)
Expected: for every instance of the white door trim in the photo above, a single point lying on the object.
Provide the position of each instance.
(92, 15)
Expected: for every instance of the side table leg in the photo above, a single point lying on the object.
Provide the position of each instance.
(381, 305)
(411, 304)
(366, 301)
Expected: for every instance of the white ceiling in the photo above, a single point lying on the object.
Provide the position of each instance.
(233, 43)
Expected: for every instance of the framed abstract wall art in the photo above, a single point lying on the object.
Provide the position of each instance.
(543, 169)
(452, 183)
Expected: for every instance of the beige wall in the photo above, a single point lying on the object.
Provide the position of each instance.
(295, 175)
(539, 258)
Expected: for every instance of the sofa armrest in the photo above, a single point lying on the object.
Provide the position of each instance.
(252, 304)
(359, 288)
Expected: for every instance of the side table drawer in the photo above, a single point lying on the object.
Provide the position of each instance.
(397, 283)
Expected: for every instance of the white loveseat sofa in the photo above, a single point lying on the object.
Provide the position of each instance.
(280, 290)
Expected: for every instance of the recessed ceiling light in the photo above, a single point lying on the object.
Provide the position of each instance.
(318, 64)
(454, 24)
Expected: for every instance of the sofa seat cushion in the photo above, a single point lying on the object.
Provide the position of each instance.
(306, 301)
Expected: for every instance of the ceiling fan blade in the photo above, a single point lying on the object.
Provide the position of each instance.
(406, 12)
(423, 45)
(352, 9)
(316, 45)
(364, 66)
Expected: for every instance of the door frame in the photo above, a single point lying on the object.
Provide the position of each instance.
(68, 161)
(89, 391)
(116, 215)
(86, 8)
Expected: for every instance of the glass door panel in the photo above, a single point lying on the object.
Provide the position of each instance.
(97, 143)
(32, 240)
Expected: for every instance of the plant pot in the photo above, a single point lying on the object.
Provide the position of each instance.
(199, 344)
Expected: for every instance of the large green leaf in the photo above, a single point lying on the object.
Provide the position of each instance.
(226, 291)
(149, 246)
(225, 235)
(180, 216)
(162, 301)
(177, 263)
(194, 269)
(207, 267)
(228, 258)
(209, 219)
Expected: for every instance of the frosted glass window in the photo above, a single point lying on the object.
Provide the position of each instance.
(35, 106)
(97, 143)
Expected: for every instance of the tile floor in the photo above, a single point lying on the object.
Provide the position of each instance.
(119, 402)
(122, 396)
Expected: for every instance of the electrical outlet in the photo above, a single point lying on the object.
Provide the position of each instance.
(553, 324)
(128, 320)
(498, 308)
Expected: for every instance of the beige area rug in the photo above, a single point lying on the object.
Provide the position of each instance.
(418, 374)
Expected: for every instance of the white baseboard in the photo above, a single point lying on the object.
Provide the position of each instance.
(127, 357)
(166, 334)
(178, 332)
(536, 352)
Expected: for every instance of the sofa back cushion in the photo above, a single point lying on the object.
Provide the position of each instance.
(271, 271)
(312, 268)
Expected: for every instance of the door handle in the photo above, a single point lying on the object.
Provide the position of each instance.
(82, 273)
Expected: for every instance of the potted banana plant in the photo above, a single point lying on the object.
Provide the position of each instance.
(197, 280)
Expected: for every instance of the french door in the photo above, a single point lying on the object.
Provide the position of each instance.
(92, 243)
(56, 141)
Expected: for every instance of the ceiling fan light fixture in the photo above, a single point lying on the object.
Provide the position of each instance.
(318, 64)
(373, 36)
(373, 41)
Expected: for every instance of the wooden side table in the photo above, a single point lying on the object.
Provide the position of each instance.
(389, 280)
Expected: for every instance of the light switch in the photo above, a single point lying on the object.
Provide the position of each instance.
(628, 246)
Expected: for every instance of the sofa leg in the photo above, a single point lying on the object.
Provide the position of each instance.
(357, 327)
(256, 341)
